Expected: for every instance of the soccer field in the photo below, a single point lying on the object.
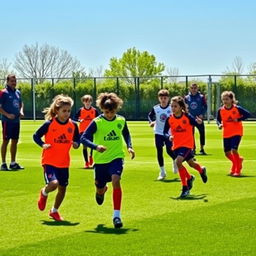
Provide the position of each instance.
(217, 219)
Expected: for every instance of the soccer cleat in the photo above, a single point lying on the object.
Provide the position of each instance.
(117, 222)
(56, 216)
(87, 165)
(161, 176)
(100, 197)
(203, 175)
(202, 152)
(91, 161)
(16, 166)
(190, 182)
(42, 201)
(185, 192)
(175, 168)
(4, 167)
(236, 174)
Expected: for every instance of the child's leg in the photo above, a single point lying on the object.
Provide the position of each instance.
(200, 169)
(184, 175)
(117, 195)
(230, 156)
(238, 161)
(59, 197)
(85, 154)
(160, 158)
(91, 158)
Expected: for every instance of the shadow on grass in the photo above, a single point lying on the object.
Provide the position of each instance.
(192, 197)
(169, 181)
(242, 176)
(101, 229)
(59, 223)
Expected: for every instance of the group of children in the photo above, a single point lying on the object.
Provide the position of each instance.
(104, 134)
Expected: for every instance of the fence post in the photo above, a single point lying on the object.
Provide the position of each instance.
(117, 85)
(138, 96)
(162, 82)
(33, 99)
(235, 85)
(94, 87)
(186, 83)
(218, 96)
(74, 93)
(209, 99)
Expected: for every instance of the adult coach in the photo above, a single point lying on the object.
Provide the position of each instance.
(11, 108)
(197, 107)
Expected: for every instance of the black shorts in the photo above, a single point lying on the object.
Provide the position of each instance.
(11, 130)
(104, 172)
(54, 173)
(187, 153)
(231, 143)
(160, 141)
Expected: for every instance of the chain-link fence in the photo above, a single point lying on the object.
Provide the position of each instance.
(139, 93)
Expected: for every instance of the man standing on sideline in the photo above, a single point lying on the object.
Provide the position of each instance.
(11, 108)
(197, 108)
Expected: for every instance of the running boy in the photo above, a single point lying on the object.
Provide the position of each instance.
(157, 118)
(104, 135)
(84, 116)
(230, 118)
(181, 124)
(60, 133)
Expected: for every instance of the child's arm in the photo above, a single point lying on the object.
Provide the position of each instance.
(244, 113)
(195, 121)
(76, 137)
(151, 117)
(87, 138)
(219, 120)
(77, 116)
(40, 133)
(166, 131)
(127, 138)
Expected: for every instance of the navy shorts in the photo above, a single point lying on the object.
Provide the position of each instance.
(160, 141)
(103, 172)
(231, 143)
(54, 173)
(11, 130)
(187, 153)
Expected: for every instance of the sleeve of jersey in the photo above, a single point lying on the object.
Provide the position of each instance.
(77, 115)
(151, 115)
(97, 113)
(87, 137)
(204, 105)
(127, 136)
(218, 119)
(40, 133)
(76, 137)
(192, 120)
(167, 127)
(244, 113)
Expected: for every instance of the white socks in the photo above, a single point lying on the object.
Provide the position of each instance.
(116, 214)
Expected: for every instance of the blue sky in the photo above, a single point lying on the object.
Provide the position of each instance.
(197, 37)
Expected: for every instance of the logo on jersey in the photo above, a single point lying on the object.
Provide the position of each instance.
(179, 129)
(70, 130)
(193, 105)
(111, 136)
(16, 103)
(163, 117)
(62, 139)
(119, 126)
(230, 119)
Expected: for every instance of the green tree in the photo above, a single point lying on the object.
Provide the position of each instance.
(134, 63)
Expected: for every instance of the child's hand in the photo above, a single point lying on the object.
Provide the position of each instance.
(152, 124)
(220, 126)
(131, 152)
(199, 120)
(75, 144)
(46, 146)
(170, 138)
(101, 148)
